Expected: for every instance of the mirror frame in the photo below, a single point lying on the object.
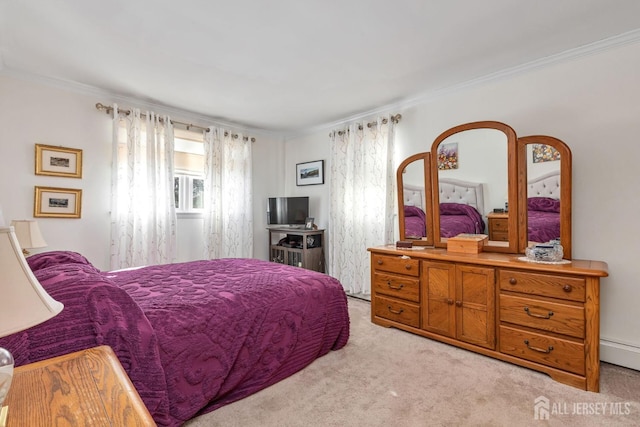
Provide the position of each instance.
(512, 245)
(428, 208)
(565, 190)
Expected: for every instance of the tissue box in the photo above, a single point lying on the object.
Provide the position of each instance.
(467, 243)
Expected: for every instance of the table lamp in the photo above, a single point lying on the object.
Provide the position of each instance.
(23, 302)
(28, 234)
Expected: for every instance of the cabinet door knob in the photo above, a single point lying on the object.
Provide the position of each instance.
(459, 303)
(449, 301)
(513, 281)
(567, 288)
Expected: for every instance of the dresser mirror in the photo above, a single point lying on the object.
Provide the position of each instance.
(475, 173)
(545, 212)
(414, 199)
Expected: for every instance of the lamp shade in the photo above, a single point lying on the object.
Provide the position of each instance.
(28, 233)
(23, 301)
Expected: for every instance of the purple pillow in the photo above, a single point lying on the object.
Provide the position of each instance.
(543, 204)
(48, 259)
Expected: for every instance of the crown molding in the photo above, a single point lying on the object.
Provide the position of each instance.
(429, 96)
(128, 102)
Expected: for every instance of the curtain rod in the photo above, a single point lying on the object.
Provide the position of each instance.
(395, 119)
(188, 126)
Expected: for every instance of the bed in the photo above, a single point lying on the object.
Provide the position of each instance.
(461, 204)
(543, 207)
(461, 207)
(414, 212)
(192, 336)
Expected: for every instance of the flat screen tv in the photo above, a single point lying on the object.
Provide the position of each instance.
(287, 210)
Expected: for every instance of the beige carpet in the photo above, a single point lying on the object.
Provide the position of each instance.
(387, 377)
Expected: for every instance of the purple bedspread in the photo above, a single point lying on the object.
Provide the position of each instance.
(543, 219)
(414, 223)
(456, 218)
(192, 336)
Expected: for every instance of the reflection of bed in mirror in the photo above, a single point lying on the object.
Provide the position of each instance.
(543, 207)
(461, 207)
(414, 212)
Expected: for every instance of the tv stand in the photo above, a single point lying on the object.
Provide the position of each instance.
(298, 247)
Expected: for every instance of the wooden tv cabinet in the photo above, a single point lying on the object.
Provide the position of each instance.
(540, 316)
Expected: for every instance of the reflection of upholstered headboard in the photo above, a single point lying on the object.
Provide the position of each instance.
(413, 195)
(465, 192)
(547, 185)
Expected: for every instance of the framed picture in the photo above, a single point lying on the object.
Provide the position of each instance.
(448, 156)
(544, 153)
(310, 173)
(52, 202)
(58, 161)
(308, 224)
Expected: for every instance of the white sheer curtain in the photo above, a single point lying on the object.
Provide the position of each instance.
(143, 216)
(362, 203)
(228, 210)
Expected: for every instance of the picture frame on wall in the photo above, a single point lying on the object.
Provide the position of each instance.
(53, 202)
(310, 173)
(58, 161)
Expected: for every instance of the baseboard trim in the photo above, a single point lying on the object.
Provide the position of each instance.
(621, 354)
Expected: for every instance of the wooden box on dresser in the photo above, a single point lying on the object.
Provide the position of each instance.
(540, 316)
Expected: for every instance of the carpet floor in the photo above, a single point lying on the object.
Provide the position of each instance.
(387, 377)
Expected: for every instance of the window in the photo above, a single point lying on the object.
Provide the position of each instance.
(188, 178)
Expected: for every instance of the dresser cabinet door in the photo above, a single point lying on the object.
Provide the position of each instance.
(475, 305)
(438, 298)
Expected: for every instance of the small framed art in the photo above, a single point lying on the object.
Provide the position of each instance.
(58, 161)
(52, 202)
(310, 173)
(308, 223)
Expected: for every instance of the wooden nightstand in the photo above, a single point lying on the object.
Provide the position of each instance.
(498, 227)
(88, 387)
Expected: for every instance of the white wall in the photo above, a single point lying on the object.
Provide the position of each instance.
(591, 103)
(32, 112)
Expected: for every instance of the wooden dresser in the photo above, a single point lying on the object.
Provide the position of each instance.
(540, 316)
(498, 225)
(84, 388)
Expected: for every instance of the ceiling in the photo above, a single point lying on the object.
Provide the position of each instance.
(290, 65)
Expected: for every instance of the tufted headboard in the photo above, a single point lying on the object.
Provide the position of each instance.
(465, 192)
(413, 195)
(547, 185)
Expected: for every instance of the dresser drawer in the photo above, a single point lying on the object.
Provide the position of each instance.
(405, 287)
(395, 264)
(550, 316)
(499, 236)
(548, 285)
(398, 311)
(500, 224)
(551, 351)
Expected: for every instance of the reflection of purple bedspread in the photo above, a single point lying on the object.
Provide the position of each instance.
(456, 218)
(192, 336)
(543, 226)
(414, 222)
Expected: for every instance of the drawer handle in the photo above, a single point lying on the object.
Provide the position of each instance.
(379, 262)
(567, 288)
(395, 288)
(539, 316)
(540, 350)
(407, 266)
(395, 311)
(513, 281)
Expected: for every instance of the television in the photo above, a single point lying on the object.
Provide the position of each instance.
(287, 210)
